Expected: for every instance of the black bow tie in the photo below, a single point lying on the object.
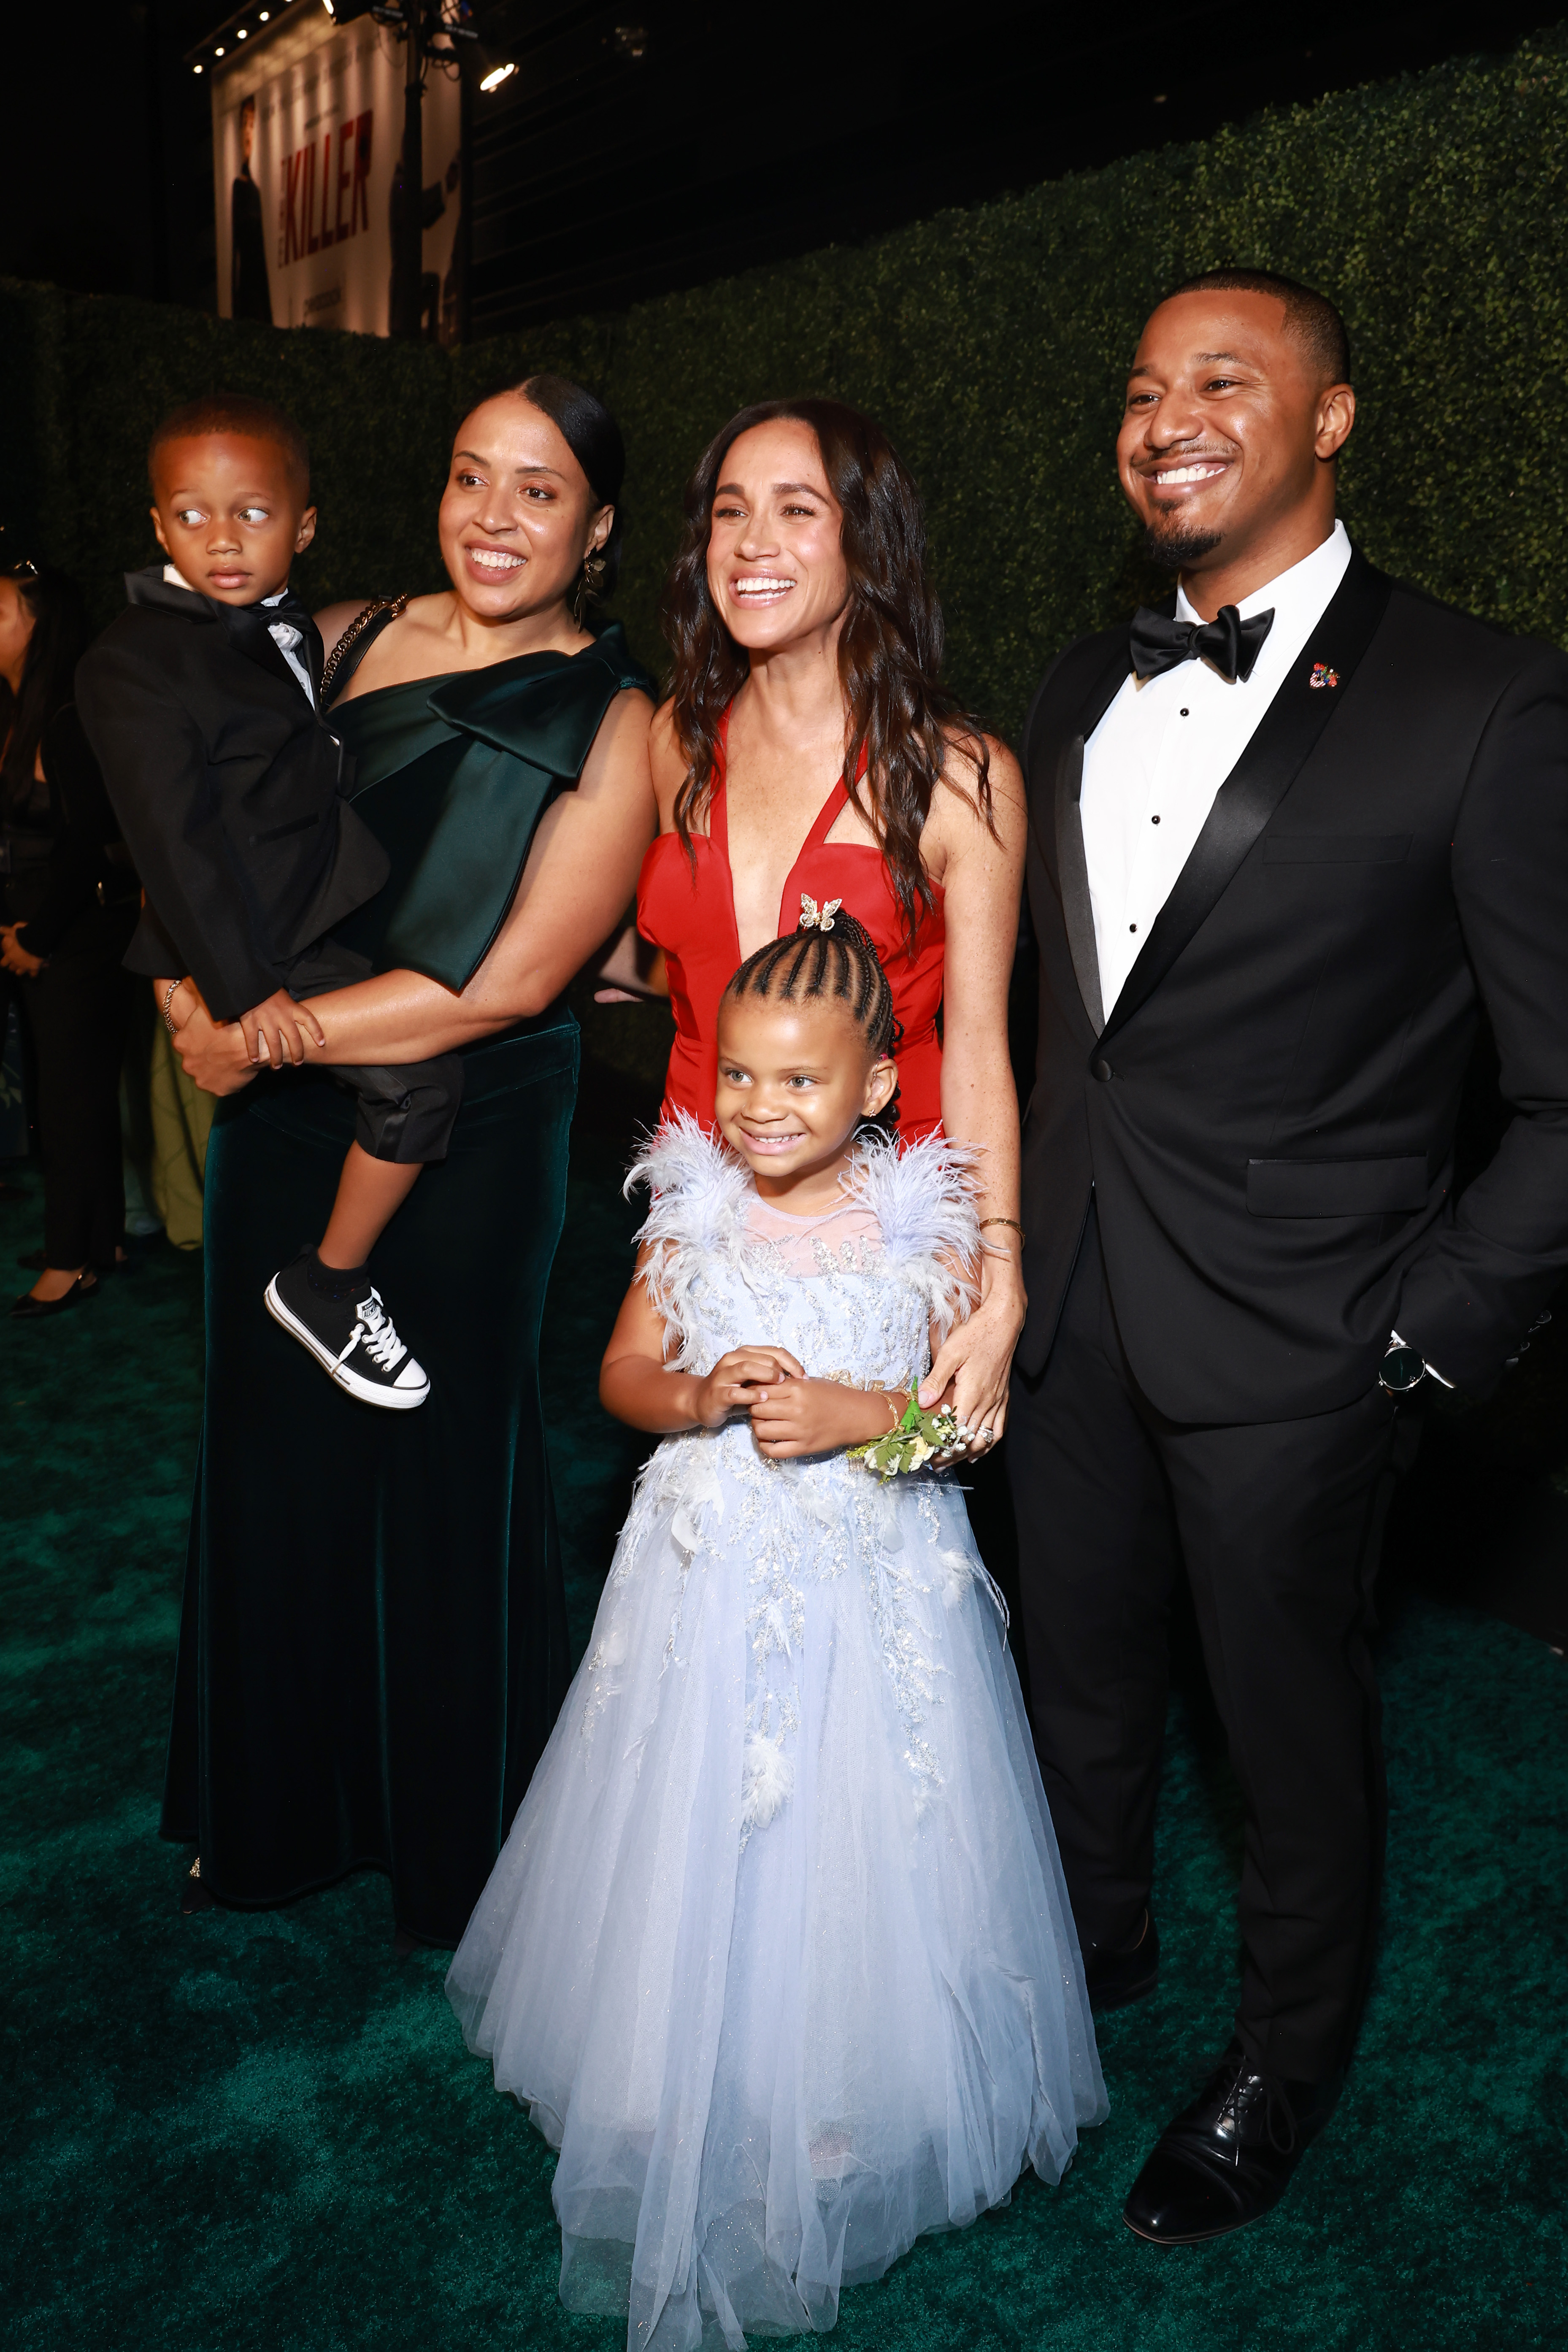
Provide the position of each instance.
(249, 627)
(1229, 643)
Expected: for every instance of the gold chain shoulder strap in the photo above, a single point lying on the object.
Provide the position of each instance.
(394, 605)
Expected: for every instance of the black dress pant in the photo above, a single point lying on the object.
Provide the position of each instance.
(75, 1012)
(1278, 1525)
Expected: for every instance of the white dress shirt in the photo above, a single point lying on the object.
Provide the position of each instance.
(284, 634)
(1153, 764)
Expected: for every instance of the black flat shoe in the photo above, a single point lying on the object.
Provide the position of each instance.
(1227, 2159)
(1116, 1979)
(27, 1309)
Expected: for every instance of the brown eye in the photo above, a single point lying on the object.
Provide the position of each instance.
(189, 516)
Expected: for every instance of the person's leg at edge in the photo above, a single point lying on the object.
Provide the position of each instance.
(1280, 1525)
(370, 1194)
(1096, 1563)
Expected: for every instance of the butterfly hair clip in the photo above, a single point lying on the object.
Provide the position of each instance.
(814, 917)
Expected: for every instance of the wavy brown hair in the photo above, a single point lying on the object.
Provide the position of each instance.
(889, 649)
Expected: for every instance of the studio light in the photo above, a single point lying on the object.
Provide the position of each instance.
(495, 75)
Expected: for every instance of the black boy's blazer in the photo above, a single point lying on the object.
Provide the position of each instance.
(1267, 1119)
(227, 786)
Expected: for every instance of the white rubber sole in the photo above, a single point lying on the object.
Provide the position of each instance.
(390, 1400)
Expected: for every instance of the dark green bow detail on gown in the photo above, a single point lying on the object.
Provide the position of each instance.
(452, 775)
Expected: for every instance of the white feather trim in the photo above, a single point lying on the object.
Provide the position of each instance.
(767, 1780)
(701, 1196)
(923, 1201)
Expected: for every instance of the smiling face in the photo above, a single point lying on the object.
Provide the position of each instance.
(518, 516)
(775, 560)
(1229, 433)
(796, 1079)
(232, 514)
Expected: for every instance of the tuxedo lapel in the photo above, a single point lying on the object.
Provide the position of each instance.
(1261, 779)
(247, 630)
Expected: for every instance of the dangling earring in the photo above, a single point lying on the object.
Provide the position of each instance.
(590, 585)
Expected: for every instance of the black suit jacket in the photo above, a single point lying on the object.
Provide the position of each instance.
(227, 786)
(1267, 1119)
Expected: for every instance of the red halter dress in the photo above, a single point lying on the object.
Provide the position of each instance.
(691, 916)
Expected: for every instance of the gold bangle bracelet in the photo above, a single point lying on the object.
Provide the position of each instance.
(169, 996)
(1017, 1228)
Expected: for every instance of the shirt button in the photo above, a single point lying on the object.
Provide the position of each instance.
(1154, 820)
(1132, 927)
(1186, 714)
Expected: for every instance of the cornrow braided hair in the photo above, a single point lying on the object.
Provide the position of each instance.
(834, 956)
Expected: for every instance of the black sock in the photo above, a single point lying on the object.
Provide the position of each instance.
(335, 1281)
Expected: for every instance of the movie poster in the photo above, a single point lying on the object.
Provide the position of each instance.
(307, 159)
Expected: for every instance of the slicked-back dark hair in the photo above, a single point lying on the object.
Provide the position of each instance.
(593, 438)
(897, 711)
(233, 412)
(840, 963)
(1310, 316)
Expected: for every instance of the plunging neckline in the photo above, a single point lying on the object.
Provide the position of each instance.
(822, 826)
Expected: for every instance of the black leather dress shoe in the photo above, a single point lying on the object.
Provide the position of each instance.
(1116, 1979)
(1228, 2156)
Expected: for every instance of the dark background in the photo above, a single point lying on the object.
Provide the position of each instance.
(644, 147)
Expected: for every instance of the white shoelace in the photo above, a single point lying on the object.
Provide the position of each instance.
(376, 1329)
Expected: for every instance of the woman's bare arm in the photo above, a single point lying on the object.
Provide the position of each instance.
(581, 872)
(982, 877)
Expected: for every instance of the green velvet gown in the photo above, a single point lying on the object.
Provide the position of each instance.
(373, 1644)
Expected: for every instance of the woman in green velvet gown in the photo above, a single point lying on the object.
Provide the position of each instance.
(373, 1645)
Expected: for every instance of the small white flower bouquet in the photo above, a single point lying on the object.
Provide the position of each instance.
(919, 1437)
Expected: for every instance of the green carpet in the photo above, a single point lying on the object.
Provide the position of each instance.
(260, 2133)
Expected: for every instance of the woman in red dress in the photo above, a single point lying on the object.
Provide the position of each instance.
(809, 754)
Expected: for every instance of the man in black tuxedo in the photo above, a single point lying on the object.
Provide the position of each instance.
(1283, 841)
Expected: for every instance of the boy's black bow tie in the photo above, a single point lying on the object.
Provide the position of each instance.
(289, 607)
(1231, 643)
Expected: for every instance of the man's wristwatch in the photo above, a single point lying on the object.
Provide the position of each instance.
(1402, 1369)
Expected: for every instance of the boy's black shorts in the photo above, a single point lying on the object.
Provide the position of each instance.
(407, 1109)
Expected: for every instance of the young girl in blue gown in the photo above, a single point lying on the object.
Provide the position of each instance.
(778, 1953)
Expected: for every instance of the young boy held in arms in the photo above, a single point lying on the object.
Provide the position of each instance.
(202, 702)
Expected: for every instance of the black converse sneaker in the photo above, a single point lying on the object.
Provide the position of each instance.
(354, 1338)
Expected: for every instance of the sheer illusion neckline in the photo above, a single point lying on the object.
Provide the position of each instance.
(798, 1237)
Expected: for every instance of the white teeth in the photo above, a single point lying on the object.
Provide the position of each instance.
(1187, 473)
(756, 587)
(495, 559)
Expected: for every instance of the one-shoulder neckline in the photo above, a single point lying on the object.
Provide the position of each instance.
(402, 686)
(438, 678)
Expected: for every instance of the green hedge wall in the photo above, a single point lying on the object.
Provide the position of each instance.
(991, 342)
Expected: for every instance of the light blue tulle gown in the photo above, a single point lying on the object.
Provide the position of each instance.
(778, 1953)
